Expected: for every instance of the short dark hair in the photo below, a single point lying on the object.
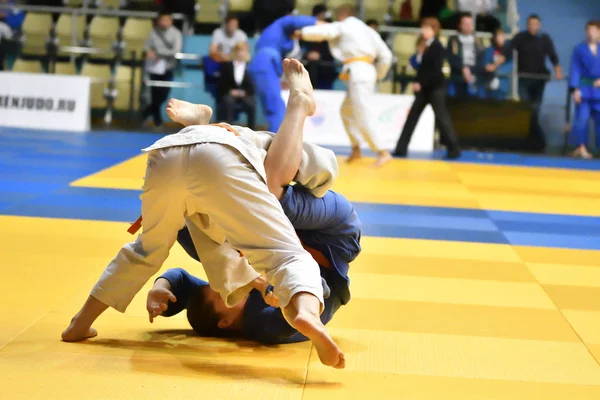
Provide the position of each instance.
(230, 17)
(202, 316)
(164, 13)
(318, 9)
(534, 16)
(464, 15)
(372, 22)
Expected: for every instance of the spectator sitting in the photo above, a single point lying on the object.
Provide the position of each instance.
(163, 43)
(236, 90)
(497, 67)
(464, 55)
(483, 10)
(5, 33)
(13, 18)
(319, 61)
(224, 39)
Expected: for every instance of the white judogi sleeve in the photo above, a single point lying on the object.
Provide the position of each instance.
(321, 33)
(383, 61)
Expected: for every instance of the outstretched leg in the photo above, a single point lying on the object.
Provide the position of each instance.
(285, 152)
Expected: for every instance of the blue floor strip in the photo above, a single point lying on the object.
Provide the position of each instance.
(36, 168)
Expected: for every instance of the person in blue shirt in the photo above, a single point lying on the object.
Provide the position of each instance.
(497, 67)
(329, 229)
(584, 79)
(266, 68)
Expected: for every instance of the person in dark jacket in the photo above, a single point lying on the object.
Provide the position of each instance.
(236, 90)
(429, 88)
(533, 47)
(465, 52)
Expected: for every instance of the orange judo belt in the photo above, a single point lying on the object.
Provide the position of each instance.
(316, 254)
(344, 76)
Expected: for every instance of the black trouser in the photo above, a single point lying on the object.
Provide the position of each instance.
(158, 95)
(532, 91)
(230, 104)
(437, 99)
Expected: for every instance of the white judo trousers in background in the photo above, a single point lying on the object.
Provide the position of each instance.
(366, 59)
(214, 182)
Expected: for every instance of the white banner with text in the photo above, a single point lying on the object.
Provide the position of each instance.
(45, 101)
(389, 112)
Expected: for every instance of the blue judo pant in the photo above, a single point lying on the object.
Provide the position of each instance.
(265, 69)
(583, 112)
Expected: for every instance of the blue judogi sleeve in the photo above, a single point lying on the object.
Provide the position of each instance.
(575, 71)
(291, 23)
(183, 286)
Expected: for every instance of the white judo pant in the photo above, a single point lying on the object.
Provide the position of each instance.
(356, 114)
(215, 184)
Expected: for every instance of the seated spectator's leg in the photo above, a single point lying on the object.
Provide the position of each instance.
(249, 106)
(228, 104)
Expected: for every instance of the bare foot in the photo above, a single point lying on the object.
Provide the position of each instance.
(329, 353)
(187, 113)
(383, 158)
(355, 155)
(302, 313)
(301, 90)
(75, 333)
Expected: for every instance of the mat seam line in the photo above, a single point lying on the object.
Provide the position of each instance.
(306, 374)
(23, 330)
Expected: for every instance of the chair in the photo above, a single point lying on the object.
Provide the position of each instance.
(209, 12)
(29, 66)
(112, 3)
(65, 68)
(404, 47)
(376, 9)
(123, 86)
(36, 29)
(333, 4)
(100, 74)
(104, 34)
(64, 30)
(240, 5)
(135, 34)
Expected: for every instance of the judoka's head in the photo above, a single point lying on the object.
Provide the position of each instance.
(165, 20)
(344, 11)
(534, 24)
(592, 31)
(320, 12)
(209, 316)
